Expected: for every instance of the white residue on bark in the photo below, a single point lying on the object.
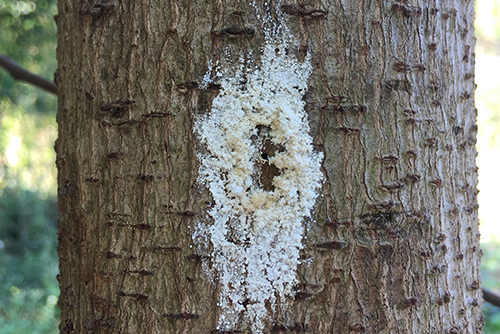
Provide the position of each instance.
(256, 234)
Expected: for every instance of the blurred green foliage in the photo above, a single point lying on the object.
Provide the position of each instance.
(28, 263)
(28, 210)
(28, 35)
(490, 273)
(487, 29)
(487, 50)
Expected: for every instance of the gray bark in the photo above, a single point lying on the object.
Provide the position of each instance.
(393, 245)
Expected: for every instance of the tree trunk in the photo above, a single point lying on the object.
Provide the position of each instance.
(185, 201)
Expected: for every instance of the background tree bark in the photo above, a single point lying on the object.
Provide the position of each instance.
(393, 246)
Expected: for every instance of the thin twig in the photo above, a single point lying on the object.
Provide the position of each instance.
(19, 73)
(491, 297)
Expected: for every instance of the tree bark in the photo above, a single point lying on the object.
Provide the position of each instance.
(392, 245)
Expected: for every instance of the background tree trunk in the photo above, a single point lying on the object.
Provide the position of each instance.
(393, 246)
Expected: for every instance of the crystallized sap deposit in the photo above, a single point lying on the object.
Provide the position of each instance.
(257, 234)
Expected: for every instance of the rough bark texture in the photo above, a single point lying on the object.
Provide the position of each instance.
(394, 244)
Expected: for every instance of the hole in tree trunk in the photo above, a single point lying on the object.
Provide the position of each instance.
(267, 171)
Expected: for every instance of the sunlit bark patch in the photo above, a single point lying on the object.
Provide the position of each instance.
(264, 176)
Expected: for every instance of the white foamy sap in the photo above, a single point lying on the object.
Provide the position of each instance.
(256, 234)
